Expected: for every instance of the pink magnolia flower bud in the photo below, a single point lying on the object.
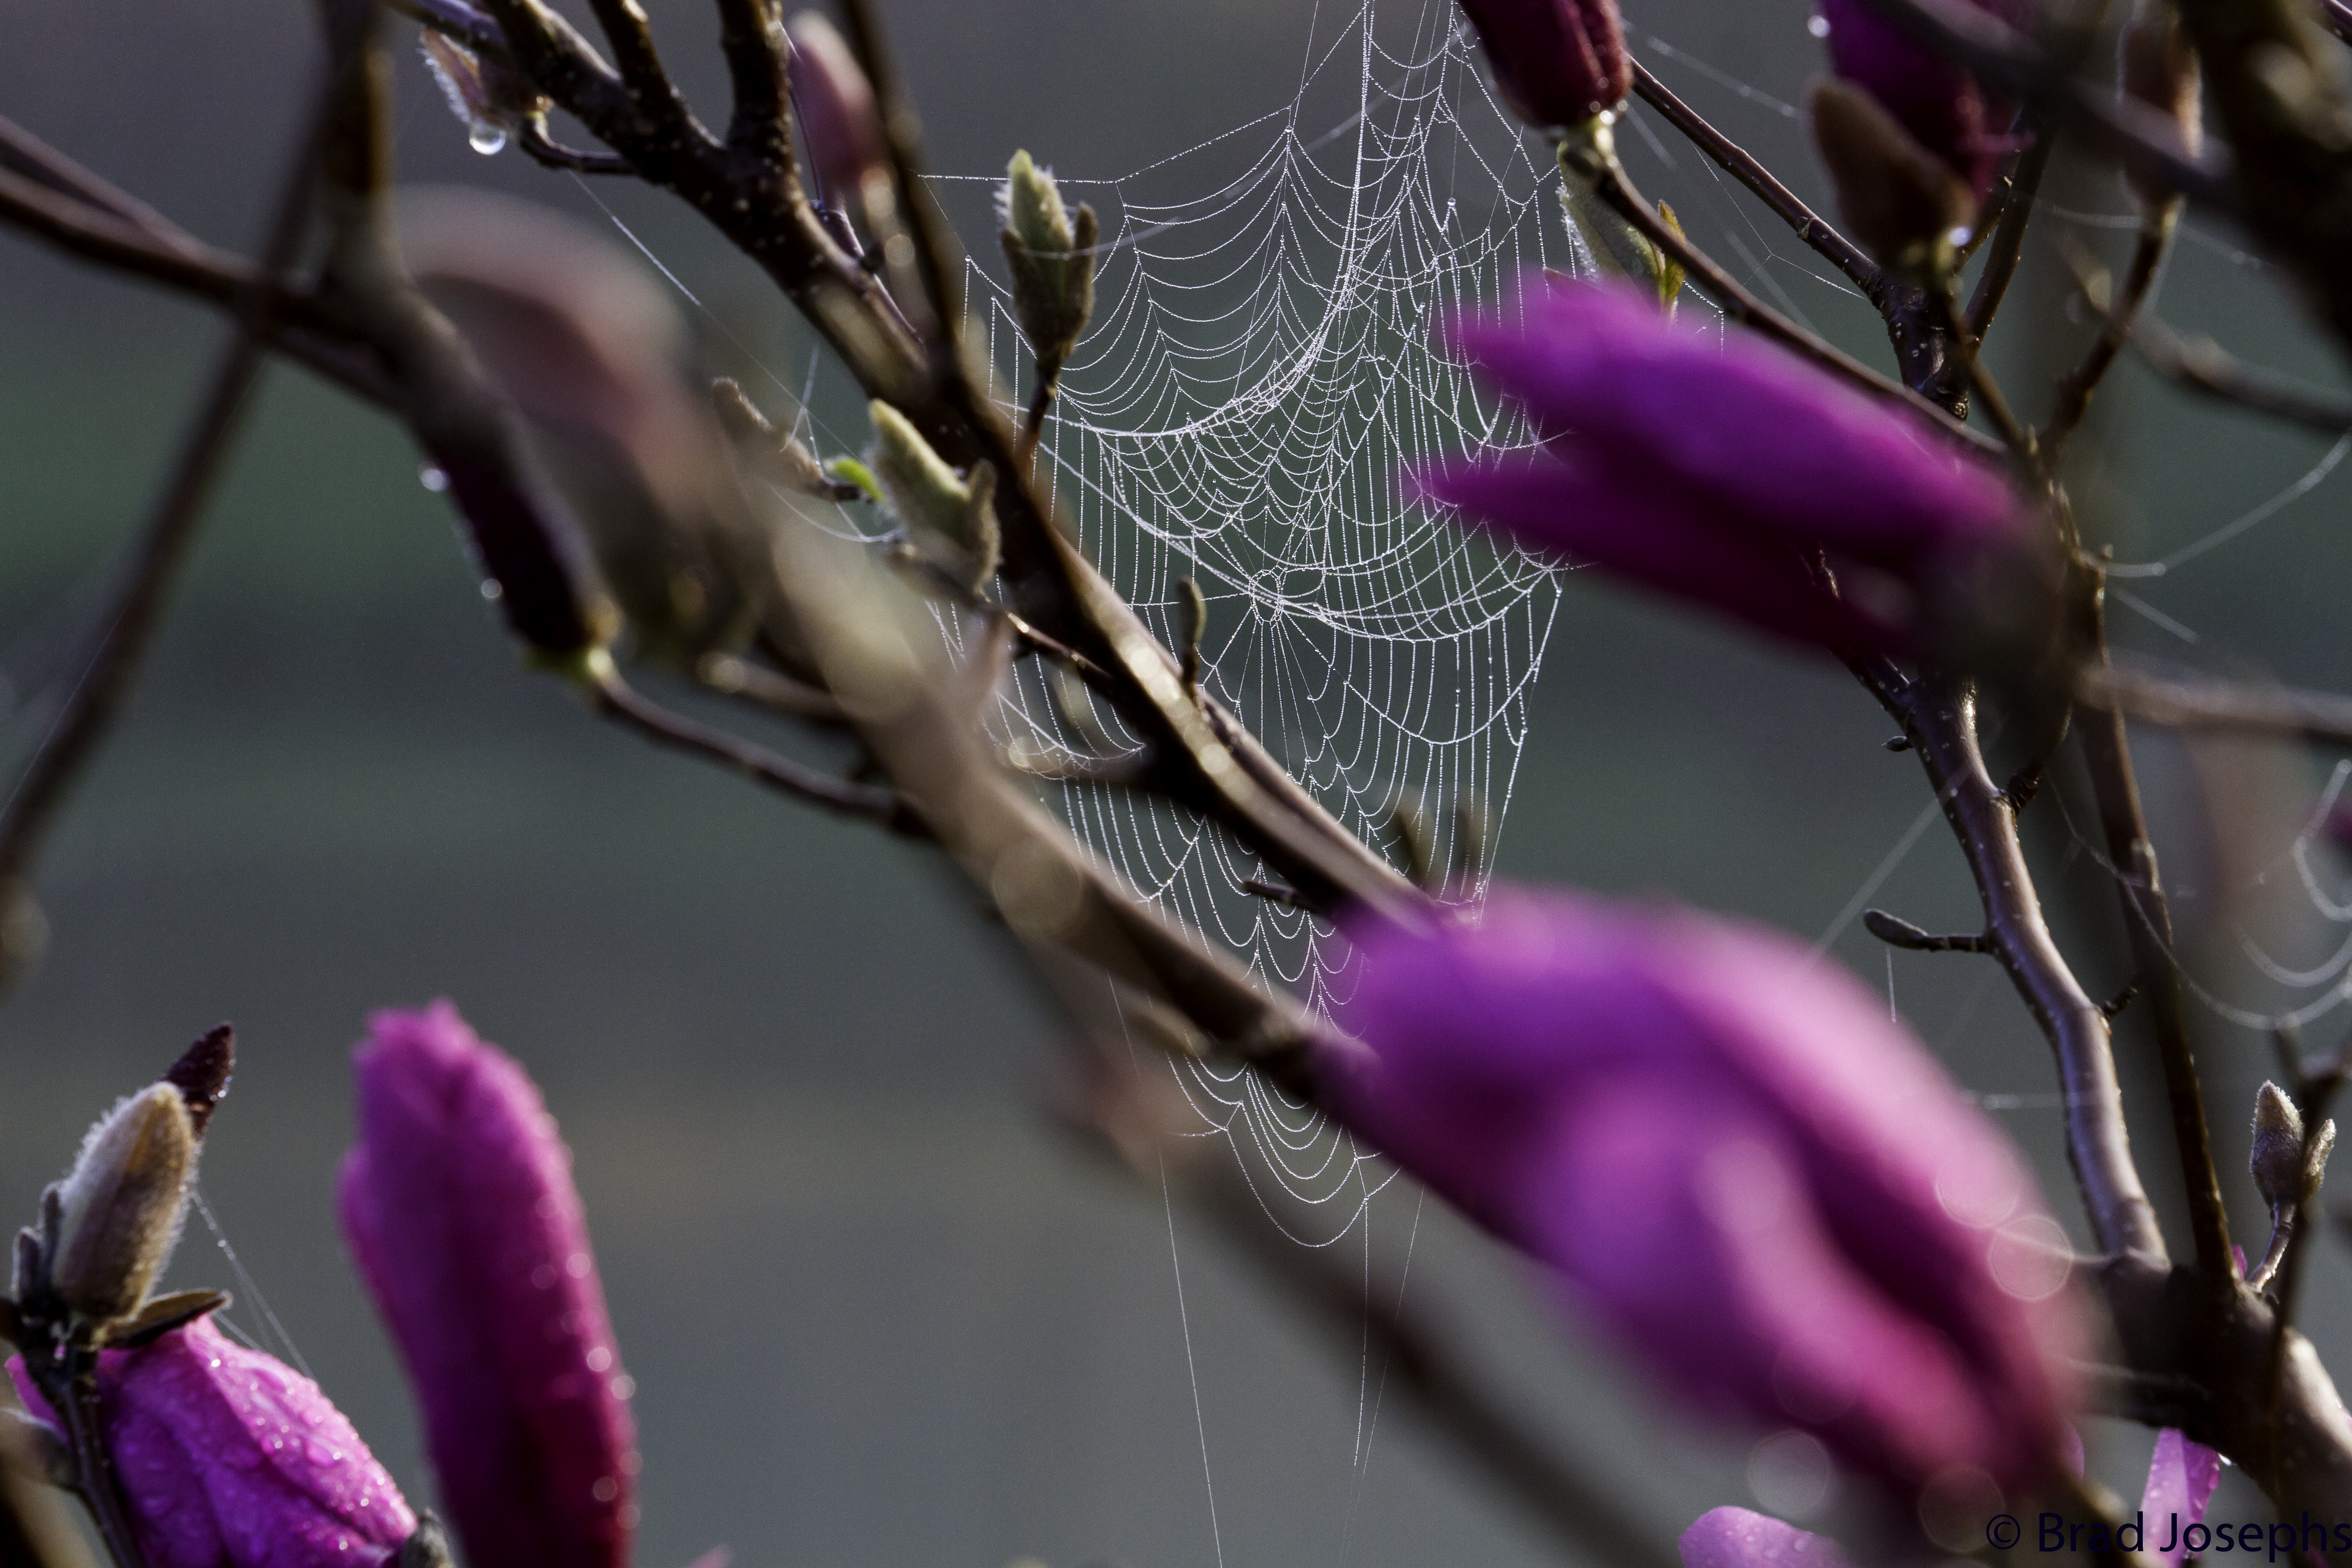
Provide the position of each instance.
(1770, 1194)
(1703, 468)
(1936, 101)
(2181, 1478)
(1741, 1538)
(1556, 62)
(459, 1205)
(837, 113)
(228, 1458)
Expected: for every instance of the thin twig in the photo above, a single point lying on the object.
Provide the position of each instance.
(532, 139)
(1610, 183)
(1965, 358)
(2007, 246)
(2325, 717)
(1895, 931)
(769, 689)
(2203, 365)
(2152, 1399)
(2338, 18)
(616, 699)
(1740, 165)
(2158, 225)
(2148, 921)
(126, 626)
(1938, 714)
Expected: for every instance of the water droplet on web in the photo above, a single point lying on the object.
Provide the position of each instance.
(1819, 26)
(433, 478)
(485, 138)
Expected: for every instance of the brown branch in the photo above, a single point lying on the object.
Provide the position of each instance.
(2322, 717)
(1740, 165)
(751, 37)
(125, 627)
(2203, 365)
(293, 324)
(1607, 176)
(1939, 715)
(616, 699)
(2147, 920)
(2007, 246)
(2158, 225)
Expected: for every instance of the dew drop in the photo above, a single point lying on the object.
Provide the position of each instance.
(491, 591)
(486, 139)
(433, 478)
(1819, 26)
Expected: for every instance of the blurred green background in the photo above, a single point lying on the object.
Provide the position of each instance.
(879, 1313)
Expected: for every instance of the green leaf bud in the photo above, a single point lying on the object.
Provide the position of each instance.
(1049, 251)
(920, 488)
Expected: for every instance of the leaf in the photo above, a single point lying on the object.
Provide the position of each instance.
(162, 1315)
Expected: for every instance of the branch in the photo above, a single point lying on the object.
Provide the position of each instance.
(126, 626)
(2006, 249)
(2152, 1399)
(1740, 165)
(1902, 933)
(2322, 717)
(2158, 225)
(616, 699)
(293, 324)
(2203, 365)
(1600, 168)
(1939, 715)
(2147, 920)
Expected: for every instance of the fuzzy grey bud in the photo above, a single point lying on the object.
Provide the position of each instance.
(2277, 1162)
(492, 101)
(924, 492)
(119, 1210)
(1050, 252)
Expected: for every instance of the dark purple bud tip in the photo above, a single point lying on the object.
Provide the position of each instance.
(202, 1071)
(1556, 62)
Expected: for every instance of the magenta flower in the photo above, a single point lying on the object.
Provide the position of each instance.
(1556, 62)
(2180, 1482)
(1771, 1194)
(230, 1458)
(1940, 104)
(459, 1205)
(1705, 468)
(2181, 1478)
(1741, 1538)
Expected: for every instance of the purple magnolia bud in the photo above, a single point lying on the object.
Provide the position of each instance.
(1771, 1194)
(1940, 104)
(1739, 1538)
(836, 112)
(1556, 62)
(228, 1458)
(1703, 467)
(2181, 1478)
(459, 1205)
